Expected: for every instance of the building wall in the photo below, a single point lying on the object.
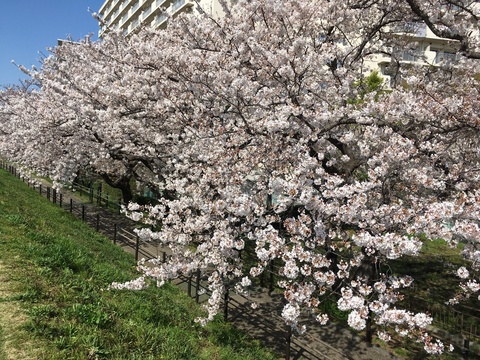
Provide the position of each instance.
(419, 46)
(429, 49)
(127, 15)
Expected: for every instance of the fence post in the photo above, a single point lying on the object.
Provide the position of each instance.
(54, 195)
(225, 305)
(71, 205)
(262, 279)
(466, 348)
(83, 212)
(289, 341)
(270, 285)
(48, 193)
(90, 195)
(114, 233)
(189, 286)
(40, 189)
(61, 200)
(137, 245)
(98, 222)
(197, 286)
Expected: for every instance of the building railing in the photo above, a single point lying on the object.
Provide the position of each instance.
(147, 11)
(125, 18)
(445, 56)
(414, 55)
(178, 4)
(135, 6)
(160, 19)
(135, 23)
(411, 28)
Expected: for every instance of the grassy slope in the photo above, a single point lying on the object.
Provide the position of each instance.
(52, 272)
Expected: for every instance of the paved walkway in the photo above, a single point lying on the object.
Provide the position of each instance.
(330, 342)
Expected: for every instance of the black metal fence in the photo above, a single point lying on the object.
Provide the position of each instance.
(97, 196)
(101, 213)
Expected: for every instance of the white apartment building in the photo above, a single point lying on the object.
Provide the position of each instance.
(127, 15)
(429, 49)
(421, 46)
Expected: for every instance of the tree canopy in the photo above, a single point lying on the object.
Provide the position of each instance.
(249, 126)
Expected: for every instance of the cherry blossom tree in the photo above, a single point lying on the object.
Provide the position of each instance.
(98, 120)
(264, 133)
(281, 155)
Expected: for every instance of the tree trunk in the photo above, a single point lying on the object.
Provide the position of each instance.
(127, 194)
(123, 184)
(369, 329)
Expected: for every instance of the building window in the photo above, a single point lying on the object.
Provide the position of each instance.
(124, 18)
(147, 12)
(445, 56)
(135, 23)
(412, 28)
(135, 6)
(178, 4)
(160, 18)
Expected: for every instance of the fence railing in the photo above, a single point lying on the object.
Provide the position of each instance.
(195, 284)
(98, 196)
(89, 212)
(449, 318)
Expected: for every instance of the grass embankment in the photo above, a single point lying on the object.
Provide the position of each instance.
(52, 306)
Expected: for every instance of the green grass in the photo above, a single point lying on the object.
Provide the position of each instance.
(58, 269)
(433, 271)
(435, 282)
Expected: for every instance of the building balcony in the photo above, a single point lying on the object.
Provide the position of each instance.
(160, 20)
(411, 28)
(160, 3)
(135, 6)
(134, 24)
(445, 56)
(412, 56)
(147, 12)
(107, 8)
(129, 14)
(178, 5)
(124, 20)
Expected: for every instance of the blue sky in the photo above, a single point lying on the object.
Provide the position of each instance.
(30, 26)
